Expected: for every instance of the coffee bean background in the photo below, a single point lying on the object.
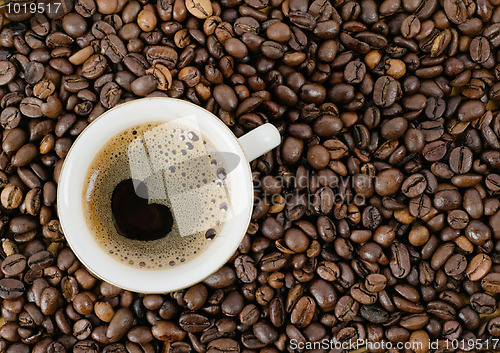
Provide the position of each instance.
(377, 218)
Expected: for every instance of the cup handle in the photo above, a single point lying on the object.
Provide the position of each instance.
(259, 141)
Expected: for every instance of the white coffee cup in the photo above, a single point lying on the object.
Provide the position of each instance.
(72, 182)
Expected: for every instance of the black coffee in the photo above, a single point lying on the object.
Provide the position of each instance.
(134, 217)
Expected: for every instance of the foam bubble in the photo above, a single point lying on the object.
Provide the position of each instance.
(192, 136)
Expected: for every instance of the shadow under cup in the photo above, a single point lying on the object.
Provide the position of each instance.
(73, 181)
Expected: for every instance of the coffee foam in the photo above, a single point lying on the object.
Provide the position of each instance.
(179, 168)
(176, 164)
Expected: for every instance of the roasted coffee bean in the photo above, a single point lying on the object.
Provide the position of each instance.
(245, 269)
(470, 110)
(31, 107)
(461, 160)
(86, 346)
(492, 182)
(113, 47)
(103, 310)
(362, 295)
(74, 83)
(479, 49)
(478, 232)
(374, 314)
(200, 9)
(456, 11)
(40, 260)
(192, 322)
(324, 294)
(11, 196)
(303, 311)
(478, 267)
(265, 332)
(434, 151)
(277, 312)
(249, 314)
(223, 345)
(122, 321)
(388, 182)
(414, 185)
(346, 308)
(11, 288)
(82, 329)
(94, 66)
(446, 200)
(455, 265)
(222, 278)
(195, 297)
(375, 282)
(400, 261)
(10, 117)
(483, 303)
(318, 157)
(7, 72)
(458, 219)
(328, 271)
(292, 150)
(110, 95)
(225, 96)
(383, 193)
(24, 155)
(14, 264)
(385, 91)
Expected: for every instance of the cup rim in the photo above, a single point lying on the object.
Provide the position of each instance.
(196, 280)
